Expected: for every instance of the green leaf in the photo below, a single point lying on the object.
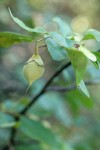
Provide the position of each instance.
(83, 88)
(97, 63)
(58, 38)
(36, 130)
(63, 26)
(87, 53)
(21, 24)
(56, 51)
(79, 62)
(76, 99)
(8, 38)
(97, 54)
(92, 34)
(6, 120)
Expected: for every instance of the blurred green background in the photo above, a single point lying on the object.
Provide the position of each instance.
(68, 114)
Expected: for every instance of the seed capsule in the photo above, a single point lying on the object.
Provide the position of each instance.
(34, 68)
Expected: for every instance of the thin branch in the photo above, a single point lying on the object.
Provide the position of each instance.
(61, 88)
(70, 88)
(34, 99)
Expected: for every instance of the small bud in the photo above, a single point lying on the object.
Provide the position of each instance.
(76, 45)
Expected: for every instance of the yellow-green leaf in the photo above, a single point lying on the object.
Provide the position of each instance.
(87, 53)
(9, 38)
(79, 62)
(21, 24)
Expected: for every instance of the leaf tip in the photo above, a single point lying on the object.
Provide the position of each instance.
(9, 10)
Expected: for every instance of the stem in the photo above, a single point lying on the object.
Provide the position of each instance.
(36, 48)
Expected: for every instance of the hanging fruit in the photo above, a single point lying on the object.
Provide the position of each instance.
(34, 68)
